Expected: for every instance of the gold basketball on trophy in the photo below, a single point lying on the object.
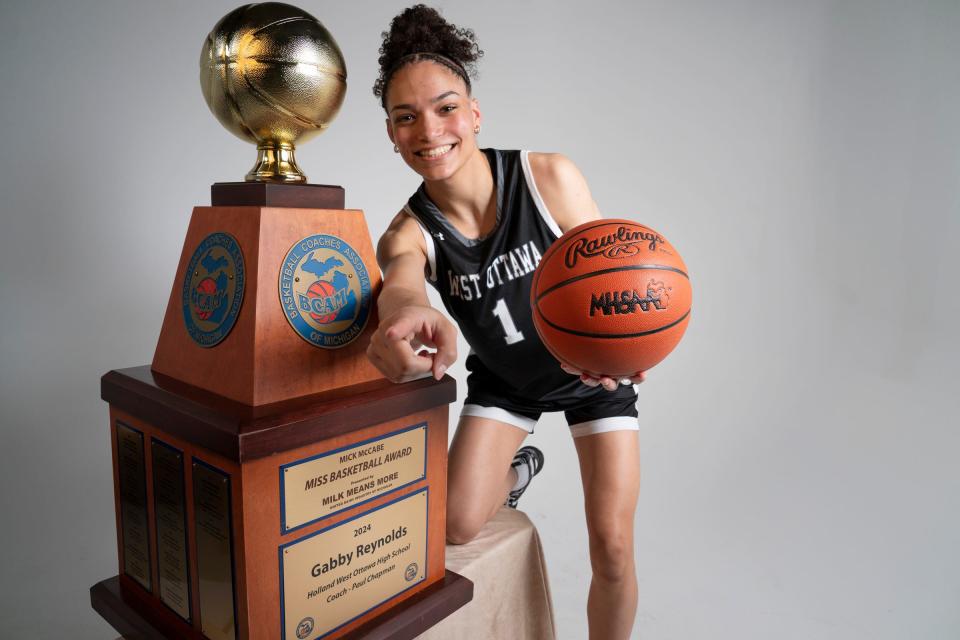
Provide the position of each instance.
(272, 74)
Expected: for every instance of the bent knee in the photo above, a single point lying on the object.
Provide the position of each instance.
(459, 532)
(460, 537)
(463, 525)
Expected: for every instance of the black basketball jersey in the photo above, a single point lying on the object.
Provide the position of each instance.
(485, 282)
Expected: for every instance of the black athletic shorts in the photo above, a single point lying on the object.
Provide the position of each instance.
(588, 410)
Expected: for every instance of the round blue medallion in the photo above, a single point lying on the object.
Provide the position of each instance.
(325, 291)
(213, 289)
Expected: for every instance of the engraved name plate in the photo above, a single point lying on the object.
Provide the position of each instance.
(132, 470)
(169, 499)
(211, 505)
(335, 575)
(324, 484)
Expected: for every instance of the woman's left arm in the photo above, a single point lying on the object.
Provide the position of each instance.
(565, 192)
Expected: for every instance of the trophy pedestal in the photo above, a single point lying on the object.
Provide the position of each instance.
(262, 359)
(322, 516)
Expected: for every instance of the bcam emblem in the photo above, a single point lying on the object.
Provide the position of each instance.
(213, 289)
(325, 291)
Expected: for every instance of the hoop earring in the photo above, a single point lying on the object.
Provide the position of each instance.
(396, 149)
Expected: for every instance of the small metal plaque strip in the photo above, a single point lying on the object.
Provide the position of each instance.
(322, 485)
(134, 530)
(170, 508)
(336, 575)
(214, 532)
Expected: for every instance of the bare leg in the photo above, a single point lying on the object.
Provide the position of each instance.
(479, 476)
(610, 470)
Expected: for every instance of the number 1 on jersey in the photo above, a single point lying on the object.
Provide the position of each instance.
(510, 329)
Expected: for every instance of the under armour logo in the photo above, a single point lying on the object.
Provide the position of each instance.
(438, 235)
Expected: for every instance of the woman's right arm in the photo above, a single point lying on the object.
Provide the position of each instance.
(407, 320)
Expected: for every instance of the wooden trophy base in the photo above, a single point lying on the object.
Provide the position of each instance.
(238, 522)
(404, 622)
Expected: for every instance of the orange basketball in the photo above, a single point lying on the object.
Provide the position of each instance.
(611, 297)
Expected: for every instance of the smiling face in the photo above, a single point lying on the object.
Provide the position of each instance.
(431, 118)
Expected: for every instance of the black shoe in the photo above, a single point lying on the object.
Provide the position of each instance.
(533, 459)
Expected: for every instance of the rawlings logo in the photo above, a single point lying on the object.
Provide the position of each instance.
(622, 244)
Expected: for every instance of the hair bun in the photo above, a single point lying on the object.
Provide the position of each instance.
(421, 29)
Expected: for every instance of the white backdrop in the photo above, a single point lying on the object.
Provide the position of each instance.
(799, 474)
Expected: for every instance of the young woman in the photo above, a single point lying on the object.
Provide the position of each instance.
(475, 230)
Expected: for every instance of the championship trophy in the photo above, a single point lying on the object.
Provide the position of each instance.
(269, 482)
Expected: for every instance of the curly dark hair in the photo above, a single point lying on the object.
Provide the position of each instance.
(421, 33)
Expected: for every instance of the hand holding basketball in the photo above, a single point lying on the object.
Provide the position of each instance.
(611, 298)
(395, 347)
(608, 383)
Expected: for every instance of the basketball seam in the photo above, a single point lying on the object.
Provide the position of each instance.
(279, 107)
(586, 334)
(278, 22)
(583, 276)
(292, 63)
(231, 98)
(606, 221)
